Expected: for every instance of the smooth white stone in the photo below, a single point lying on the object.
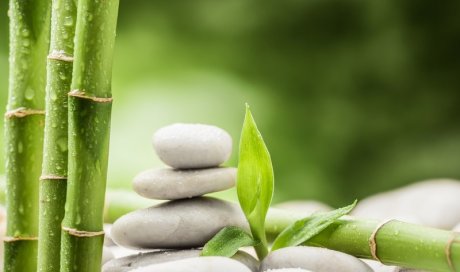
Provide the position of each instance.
(107, 239)
(288, 270)
(129, 263)
(247, 259)
(433, 203)
(186, 146)
(314, 259)
(107, 254)
(120, 252)
(170, 184)
(306, 207)
(184, 223)
(456, 228)
(134, 261)
(379, 267)
(198, 264)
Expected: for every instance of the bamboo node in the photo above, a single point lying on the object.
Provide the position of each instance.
(82, 233)
(448, 250)
(373, 240)
(10, 239)
(83, 95)
(60, 55)
(52, 177)
(23, 112)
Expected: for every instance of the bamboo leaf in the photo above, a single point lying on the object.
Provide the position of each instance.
(255, 179)
(304, 229)
(227, 242)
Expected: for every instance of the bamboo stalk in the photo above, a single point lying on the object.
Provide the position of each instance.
(395, 242)
(90, 106)
(24, 120)
(53, 183)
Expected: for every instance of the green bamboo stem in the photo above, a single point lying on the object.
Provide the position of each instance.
(397, 243)
(24, 120)
(118, 202)
(53, 183)
(89, 126)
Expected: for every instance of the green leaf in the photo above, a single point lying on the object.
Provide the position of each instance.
(254, 180)
(302, 230)
(227, 242)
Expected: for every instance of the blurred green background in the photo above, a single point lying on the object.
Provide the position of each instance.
(352, 97)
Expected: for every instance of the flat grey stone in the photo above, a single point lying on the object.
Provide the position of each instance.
(107, 239)
(288, 270)
(314, 259)
(197, 264)
(170, 184)
(129, 263)
(379, 267)
(433, 203)
(186, 146)
(306, 207)
(107, 254)
(456, 228)
(186, 223)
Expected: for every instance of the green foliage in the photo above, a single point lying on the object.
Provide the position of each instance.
(302, 230)
(227, 242)
(254, 180)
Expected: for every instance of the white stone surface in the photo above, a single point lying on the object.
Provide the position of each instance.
(186, 146)
(135, 261)
(433, 203)
(288, 270)
(314, 259)
(170, 184)
(198, 264)
(184, 223)
(107, 239)
(379, 267)
(107, 254)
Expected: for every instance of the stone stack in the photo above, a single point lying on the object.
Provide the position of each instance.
(174, 231)
(187, 220)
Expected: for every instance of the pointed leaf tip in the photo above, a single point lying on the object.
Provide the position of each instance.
(255, 179)
(227, 242)
(302, 230)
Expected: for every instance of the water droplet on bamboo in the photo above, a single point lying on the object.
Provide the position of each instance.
(26, 42)
(20, 147)
(68, 21)
(62, 144)
(53, 96)
(25, 32)
(29, 94)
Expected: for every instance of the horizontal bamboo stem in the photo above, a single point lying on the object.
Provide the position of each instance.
(396, 243)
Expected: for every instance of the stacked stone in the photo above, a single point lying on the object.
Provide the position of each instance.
(187, 220)
(175, 230)
(194, 152)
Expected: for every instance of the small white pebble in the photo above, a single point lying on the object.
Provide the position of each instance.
(186, 146)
